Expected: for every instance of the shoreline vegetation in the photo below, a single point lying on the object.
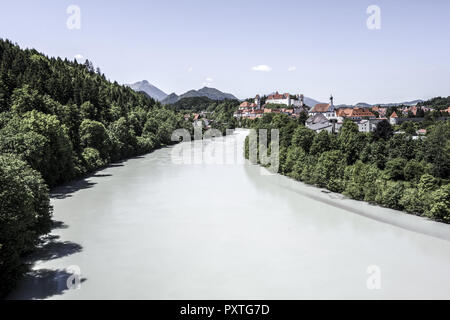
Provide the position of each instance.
(392, 171)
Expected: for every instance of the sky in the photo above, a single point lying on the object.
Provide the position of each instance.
(248, 47)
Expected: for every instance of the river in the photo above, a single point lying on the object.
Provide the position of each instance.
(151, 228)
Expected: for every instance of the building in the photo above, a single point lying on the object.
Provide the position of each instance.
(286, 99)
(354, 113)
(319, 123)
(326, 109)
(367, 125)
(380, 110)
(393, 119)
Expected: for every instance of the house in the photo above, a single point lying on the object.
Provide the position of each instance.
(393, 119)
(380, 110)
(319, 123)
(367, 125)
(354, 113)
(249, 109)
(326, 109)
(256, 104)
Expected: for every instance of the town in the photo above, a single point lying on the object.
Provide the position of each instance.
(328, 116)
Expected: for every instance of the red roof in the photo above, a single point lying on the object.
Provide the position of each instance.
(394, 115)
(321, 107)
(277, 96)
(244, 104)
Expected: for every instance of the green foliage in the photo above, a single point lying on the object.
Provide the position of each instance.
(40, 140)
(93, 134)
(390, 194)
(413, 170)
(92, 159)
(437, 149)
(303, 137)
(322, 142)
(439, 103)
(294, 159)
(275, 106)
(440, 204)
(383, 131)
(25, 214)
(395, 169)
(359, 178)
(329, 171)
(351, 141)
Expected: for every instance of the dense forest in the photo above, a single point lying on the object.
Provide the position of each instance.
(438, 103)
(60, 120)
(391, 170)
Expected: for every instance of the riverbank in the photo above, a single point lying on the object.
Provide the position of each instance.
(393, 217)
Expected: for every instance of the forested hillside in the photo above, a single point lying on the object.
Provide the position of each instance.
(60, 120)
(394, 171)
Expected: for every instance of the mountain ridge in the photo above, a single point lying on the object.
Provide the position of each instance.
(149, 89)
(211, 93)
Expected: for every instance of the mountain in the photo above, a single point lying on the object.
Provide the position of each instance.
(149, 89)
(215, 94)
(171, 99)
(210, 93)
(406, 103)
(310, 102)
(368, 105)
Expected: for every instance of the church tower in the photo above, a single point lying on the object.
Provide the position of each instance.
(258, 101)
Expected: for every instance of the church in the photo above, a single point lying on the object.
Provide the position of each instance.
(326, 109)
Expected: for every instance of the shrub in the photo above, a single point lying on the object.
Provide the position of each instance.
(25, 214)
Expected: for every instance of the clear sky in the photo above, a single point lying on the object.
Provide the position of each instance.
(311, 47)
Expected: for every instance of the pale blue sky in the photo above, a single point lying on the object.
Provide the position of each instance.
(177, 45)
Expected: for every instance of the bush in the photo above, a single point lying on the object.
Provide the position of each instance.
(395, 169)
(40, 140)
(92, 159)
(440, 204)
(412, 201)
(25, 214)
(390, 195)
(329, 171)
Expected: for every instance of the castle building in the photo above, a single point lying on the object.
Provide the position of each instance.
(286, 99)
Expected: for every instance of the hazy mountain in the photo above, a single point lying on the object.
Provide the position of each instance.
(170, 99)
(368, 105)
(406, 103)
(310, 102)
(215, 94)
(210, 93)
(149, 89)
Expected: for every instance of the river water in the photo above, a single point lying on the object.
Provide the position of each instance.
(151, 228)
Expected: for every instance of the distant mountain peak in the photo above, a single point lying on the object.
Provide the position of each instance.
(211, 93)
(149, 89)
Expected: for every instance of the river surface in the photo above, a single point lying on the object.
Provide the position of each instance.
(151, 228)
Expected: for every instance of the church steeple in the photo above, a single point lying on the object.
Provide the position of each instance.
(331, 101)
